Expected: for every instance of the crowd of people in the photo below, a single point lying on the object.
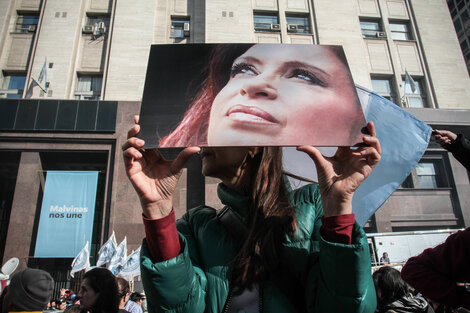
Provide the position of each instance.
(30, 290)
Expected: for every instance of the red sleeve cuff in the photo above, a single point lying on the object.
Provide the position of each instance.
(338, 228)
(162, 237)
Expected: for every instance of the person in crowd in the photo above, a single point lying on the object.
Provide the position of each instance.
(442, 273)
(75, 308)
(307, 94)
(99, 292)
(271, 248)
(29, 291)
(52, 305)
(394, 295)
(457, 144)
(61, 304)
(144, 302)
(132, 306)
(137, 298)
(384, 259)
(123, 293)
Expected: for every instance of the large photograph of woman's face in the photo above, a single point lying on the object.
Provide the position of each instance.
(249, 95)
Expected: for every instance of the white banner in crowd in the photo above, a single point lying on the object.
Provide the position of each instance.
(107, 250)
(81, 261)
(131, 267)
(119, 257)
(403, 139)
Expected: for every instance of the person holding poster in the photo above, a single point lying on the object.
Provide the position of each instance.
(263, 94)
(279, 250)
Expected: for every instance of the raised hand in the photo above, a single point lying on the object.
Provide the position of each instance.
(340, 175)
(153, 177)
(443, 137)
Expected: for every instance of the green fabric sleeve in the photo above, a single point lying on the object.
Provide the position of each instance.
(343, 277)
(174, 285)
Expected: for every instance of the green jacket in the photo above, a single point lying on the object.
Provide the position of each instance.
(324, 276)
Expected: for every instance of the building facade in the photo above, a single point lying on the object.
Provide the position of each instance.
(73, 71)
(460, 12)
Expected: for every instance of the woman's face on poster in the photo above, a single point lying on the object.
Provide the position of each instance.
(286, 95)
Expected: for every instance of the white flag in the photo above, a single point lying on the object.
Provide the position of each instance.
(132, 266)
(410, 81)
(119, 257)
(81, 261)
(107, 250)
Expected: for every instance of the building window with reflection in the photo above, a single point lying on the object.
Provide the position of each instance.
(427, 174)
(266, 22)
(400, 31)
(414, 94)
(298, 24)
(13, 86)
(88, 87)
(26, 23)
(179, 27)
(384, 87)
(371, 29)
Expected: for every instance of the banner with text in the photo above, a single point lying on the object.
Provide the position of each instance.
(68, 208)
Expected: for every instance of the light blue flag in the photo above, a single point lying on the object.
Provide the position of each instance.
(131, 267)
(403, 139)
(67, 213)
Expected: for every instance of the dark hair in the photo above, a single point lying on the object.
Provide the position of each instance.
(392, 287)
(123, 287)
(270, 218)
(135, 296)
(102, 281)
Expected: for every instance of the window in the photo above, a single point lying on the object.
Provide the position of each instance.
(414, 99)
(179, 27)
(371, 29)
(26, 23)
(383, 87)
(428, 173)
(88, 87)
(100, 24)
(266, 22)
(298, 24)
(13, 85)
(400, 31)
(464, 16)
(457, 26)
(464, 46)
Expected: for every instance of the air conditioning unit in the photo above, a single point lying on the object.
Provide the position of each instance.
(292, 28)
(275, 27)
(186, 27)
(102, 27)
(96, 30)
(87, 29)
(32, 28)
(381, 35)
